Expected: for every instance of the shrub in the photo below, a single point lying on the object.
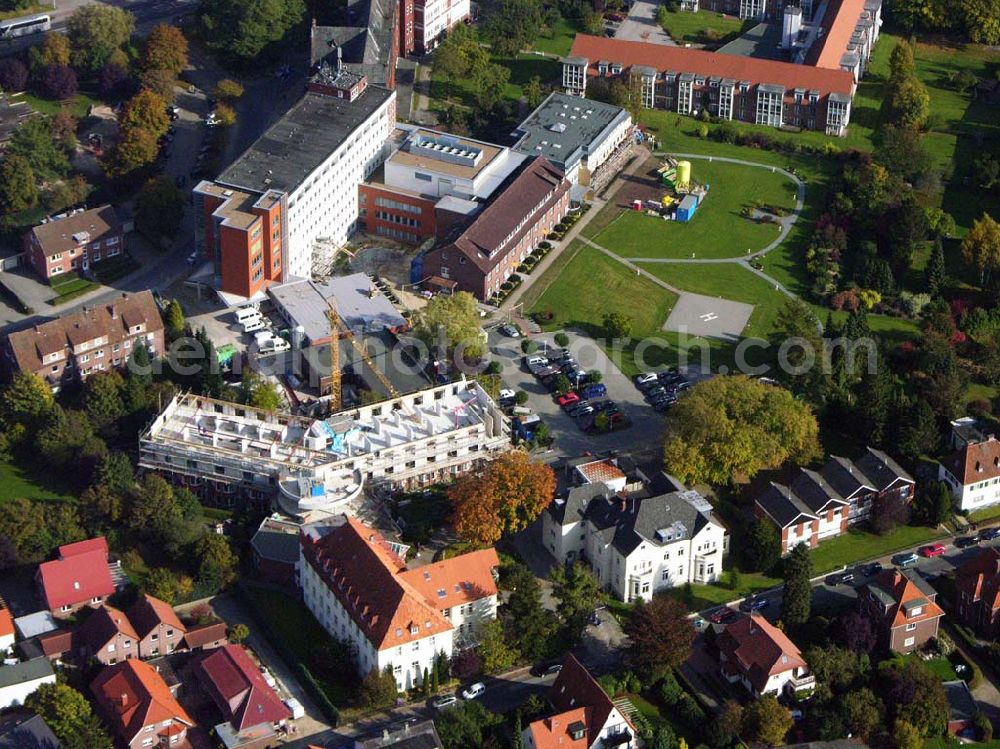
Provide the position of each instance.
(506, 286)
(13, 75)
(59, 82)
(523, 268)
(543, 245)
(561, 339)
(528, 346)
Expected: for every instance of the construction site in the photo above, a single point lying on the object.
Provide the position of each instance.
(227, 452)
(676, 195)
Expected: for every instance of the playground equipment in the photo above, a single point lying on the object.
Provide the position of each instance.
(676, 175)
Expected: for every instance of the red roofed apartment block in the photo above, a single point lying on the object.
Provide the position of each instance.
(758, 655)
(977, 591)
(140, 708)
(250, 707)
(903, 608)
(586, 717)
(79, 577)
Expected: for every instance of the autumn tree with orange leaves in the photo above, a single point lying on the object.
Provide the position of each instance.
(502, 498)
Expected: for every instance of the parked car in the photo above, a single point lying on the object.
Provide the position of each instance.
(754, 604)
(583, 411)
(840, 578)
(545, 669)
(595, 390)
(905, 561)
(510, 331)
(506, 394)
(645, 377)
(872, 568)
(559, 354)
(722, 615)
(474, 691)
(990, 534)
(656, 393)
(444, 702)
(536, 361)
(569, 399)
(963, 542)
(932, 550)
(577, 408)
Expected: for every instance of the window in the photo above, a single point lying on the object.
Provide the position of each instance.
(908, 642)
(911, 627)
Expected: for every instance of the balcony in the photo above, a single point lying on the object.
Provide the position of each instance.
(802, 682)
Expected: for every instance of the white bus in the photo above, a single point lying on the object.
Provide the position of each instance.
(25, 26)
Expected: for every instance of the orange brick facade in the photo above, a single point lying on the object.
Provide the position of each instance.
(400, 216)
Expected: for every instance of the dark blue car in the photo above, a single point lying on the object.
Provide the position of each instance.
(595, 390)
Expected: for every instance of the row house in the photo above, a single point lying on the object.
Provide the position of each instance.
(760, 657)
(730, 87)
(637, 546)
(149, 629)
(74, 241)
(902, 606)
(977, 591)
(94, 339)
(817, 505)
(357, 586)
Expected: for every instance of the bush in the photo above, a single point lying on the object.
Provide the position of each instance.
(528, 346)
(523, 268)
(59, 82)
(543, 245)
(561, 339)
(13, 75)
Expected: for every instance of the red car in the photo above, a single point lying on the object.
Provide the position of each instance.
(934, 550)
(722, 615)
(569, 399)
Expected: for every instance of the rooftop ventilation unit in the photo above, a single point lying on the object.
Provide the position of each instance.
(558, 127)
(447, 149)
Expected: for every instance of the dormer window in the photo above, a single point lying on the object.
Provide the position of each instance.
(916, 611)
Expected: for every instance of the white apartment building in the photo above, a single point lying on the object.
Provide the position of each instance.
(435, 17)
(228, 450)
(358, 588)
(973, 474)
(637, 546)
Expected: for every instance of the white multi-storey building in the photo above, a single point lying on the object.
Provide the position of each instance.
(227, 450)
(433, 18)
(357, 586)
(637, 546)
(973, 474)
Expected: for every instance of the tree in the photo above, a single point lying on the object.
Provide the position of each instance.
(796, 602)
(174, 321)
(915, 695)
(115, 473)
(562, 384)
(661, 636)
(68, 438)
(228, 90)
(907, 104)
(450, 324)
(134, 150)
(727, 724)
(935, 275)
(33, 140)
(58, 82)
(95, 32)
(578, 593)
(507, 495)
(470, 724)
(933, 506)
(533, 91)
(69, 715)
(513, 26)
(862, 712)
(225, 114)
(800, 350)
(529, 625)
(54, 50)
(160, 82)
(63, 128)
(160, 583)
(146, 111)
(18, 188)
(664, 737)
(981, 247)
(905, 735)
(762, 546)
(728, 428)
(159, 207)
(112, 80)
(243, 30)
(26, 400)
(13, 75)
(165, 49)
(858, 632)
(901, 62)
(239, 633)
(493, 649)
(379, 689)
(981, 20)
(102, 398)
(617, 326)
(265, 396)
(216, 560)
(767, 720)
(561, 339)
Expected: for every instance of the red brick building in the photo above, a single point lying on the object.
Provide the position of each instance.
(977, 591)
(391, 212)
(74, 242)
(108, 637)
(903, 609)
(481, 253)
(95, 339)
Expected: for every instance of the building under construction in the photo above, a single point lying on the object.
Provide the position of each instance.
(228, 453)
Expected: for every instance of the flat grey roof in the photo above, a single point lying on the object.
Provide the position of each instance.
(761, 42)
(294, 146)
(564, 127)
(19, 673)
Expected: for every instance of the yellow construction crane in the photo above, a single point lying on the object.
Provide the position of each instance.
(338, 330)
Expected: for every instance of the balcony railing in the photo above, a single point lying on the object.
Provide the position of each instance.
(803, 681)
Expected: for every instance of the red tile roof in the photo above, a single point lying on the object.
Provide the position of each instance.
(148, 613)
(78, 577)
(238, 689)
(6, 623)
(903, 590)
(103, 625)
(132, 695)
(709, 64)
(600, 470)
(758, 650)
(979, 577)
(203, 634)
(363, 572)
(977, 461)
(455, 581)
(574, 688)
(57, 643)
(553, 733)
(830, 48)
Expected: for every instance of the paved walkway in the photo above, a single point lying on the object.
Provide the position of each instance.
(641, 25)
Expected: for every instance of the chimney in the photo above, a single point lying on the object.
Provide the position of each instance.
(340, 58)
(123, 699)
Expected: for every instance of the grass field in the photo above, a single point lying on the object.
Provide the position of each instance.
(522, 69)
(703, 27)
(718, 229)
(857, 545)
(559, 39)
(17, 483)
(78, 106)
(69, 286)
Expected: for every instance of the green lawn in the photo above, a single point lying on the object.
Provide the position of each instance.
(858, 545)
(986, 513)
(18, 483)
(79, 106)
(522, 69)
(559, 39)
(707, 596)
(703, 27)
(717, 230)
(69, 286)
(940, 667)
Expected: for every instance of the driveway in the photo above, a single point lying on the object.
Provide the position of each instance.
(643, 435)
(641, 25)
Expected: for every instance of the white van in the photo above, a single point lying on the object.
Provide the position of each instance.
(243, 314)
(253, 325)
(274, 346)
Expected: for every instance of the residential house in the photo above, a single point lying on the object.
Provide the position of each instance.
(139, 707)
(973, 474)
(816, 505)
(206, 636)
(760, 657)
(250, 708)
(157, 626)
(57, 645)
(79, 577)
(6, 628)
(92, 339)
(584, 718)
(27, 733)
(108, 636)
(18, 680)
(275, 548)
(977, 591)
(903, 608)
(357, 586)
(74, 241)
(962, 709)
(637, 545)
(410, 736)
